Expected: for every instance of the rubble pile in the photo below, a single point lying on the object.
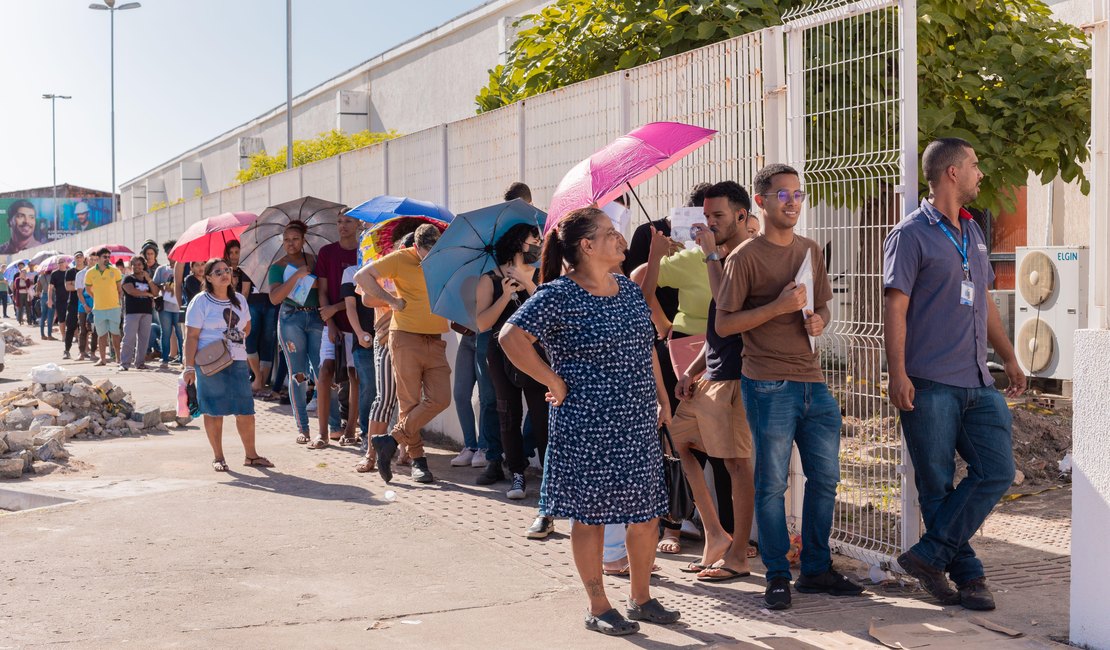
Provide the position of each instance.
(14, 339)
(36, 422)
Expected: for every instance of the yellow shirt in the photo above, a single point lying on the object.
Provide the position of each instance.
(686, 271)
(102, 286)
(403, 267)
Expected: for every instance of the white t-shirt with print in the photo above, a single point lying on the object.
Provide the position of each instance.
(211, 317)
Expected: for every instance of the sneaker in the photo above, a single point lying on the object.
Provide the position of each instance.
(123, 367)
(519, 487)
(493, 474)
(65, 355)
(541, 528)
(974, 594)
(479, 459)
(830, 582)
(311, 407)
(931, 578)
(777, 595)
(420, 472)
(163, 365)
(384, 445)
(463, 459)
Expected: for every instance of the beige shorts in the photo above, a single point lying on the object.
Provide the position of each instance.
(714, 420)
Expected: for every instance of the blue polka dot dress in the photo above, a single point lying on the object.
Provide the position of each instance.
(604, 463)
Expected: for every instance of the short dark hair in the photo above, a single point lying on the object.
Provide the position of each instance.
(762, 182)
(426, 236)
(103, 251)
(168, 245)
(942, 154)
(519, 190)
(512, 242)
(737, 196)
(22, 203)
(696, 199)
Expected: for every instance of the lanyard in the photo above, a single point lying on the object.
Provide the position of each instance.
(962, 251)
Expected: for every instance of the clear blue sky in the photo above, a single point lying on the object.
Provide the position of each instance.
(186, 71)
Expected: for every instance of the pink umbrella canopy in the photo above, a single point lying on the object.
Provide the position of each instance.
(119, 252)
(622, 164)
(206, 238)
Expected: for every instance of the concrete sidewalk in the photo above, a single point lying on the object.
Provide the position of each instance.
(157, 550)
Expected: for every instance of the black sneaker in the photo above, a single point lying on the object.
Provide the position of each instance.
(829, 582)
(541, 528)
(777, 595)
(384, 445)
(491, 474)
(931, 578)
(519, 488)
(420, 472)
(974, 594)
(65, 355)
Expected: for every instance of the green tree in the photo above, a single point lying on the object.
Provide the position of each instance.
(1003, 73)
(325, 145)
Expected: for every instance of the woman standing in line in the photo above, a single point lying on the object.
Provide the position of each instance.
(219, 316)
(299, 325)
(139, 292)
(604, 458)
(4, 289)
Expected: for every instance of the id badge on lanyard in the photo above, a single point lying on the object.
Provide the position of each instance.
(967, 287)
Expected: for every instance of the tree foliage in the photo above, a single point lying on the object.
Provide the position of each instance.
(325, 145)
(1002, 74)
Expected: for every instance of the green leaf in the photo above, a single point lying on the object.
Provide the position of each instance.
(706, 30)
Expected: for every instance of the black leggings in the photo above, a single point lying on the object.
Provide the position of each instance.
(510, 412)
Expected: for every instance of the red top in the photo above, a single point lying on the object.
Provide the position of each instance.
(330, 264)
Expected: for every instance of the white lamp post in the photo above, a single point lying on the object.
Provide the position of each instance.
(54, 150)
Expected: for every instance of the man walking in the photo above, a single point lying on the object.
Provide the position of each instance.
(418, 349)
(103, 283)
(938, 322)
(785, 395)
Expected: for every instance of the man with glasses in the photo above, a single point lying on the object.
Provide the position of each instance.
(784, 391)
(104, 282)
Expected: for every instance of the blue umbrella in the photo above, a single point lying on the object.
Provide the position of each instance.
(13, 268)
(465, 251)
(381, 208)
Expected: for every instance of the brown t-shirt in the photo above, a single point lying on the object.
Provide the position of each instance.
(755, 274)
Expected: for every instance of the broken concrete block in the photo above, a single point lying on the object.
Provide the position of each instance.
(53, 398)
(19, 418)
(135, 427)
(169, 414)
(40, 421)
(183, 421)
(78, 379)
(149, 416)
(46, 468)
(3, 444)
(49, 433)
(78, 426)
(19, 440)
(26, 402)
(50, 450)
(105, 385)
(117, 394)
(65, 417)
(11, 467)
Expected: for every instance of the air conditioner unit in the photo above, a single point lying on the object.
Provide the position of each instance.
(1050, 304)
(1004, 300)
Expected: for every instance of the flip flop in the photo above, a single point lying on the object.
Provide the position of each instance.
(319, 443)
(694, 567)
(257, 461)
(732, 575)
(219, 465)
(626, 571)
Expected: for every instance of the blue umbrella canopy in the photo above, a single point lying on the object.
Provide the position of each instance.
(381, 208)
(13, 268)
(465, 251)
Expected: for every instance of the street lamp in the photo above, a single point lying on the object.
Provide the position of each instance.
(54, 149)
(110, 6)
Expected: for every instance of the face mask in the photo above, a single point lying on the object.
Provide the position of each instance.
(531, 253)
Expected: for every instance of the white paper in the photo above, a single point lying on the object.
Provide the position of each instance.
(682, 219)
(299, 294)
(805, 277)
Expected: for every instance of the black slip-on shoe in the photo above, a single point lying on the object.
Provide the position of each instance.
(975, 594)
(931, 578)
(652, 612)
(830, 582)
(493, 473)
(385, 446)
(777, 595)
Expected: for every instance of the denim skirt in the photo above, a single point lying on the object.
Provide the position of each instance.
(228, 392)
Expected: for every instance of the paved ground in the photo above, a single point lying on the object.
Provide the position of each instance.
(159, 551)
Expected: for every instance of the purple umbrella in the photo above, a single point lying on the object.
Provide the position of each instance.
(624, 163)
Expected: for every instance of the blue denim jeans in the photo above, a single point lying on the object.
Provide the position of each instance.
(614, 548)
(299, 334)
(263, 337)
(170, 322)
(975, 423)
(367, 388)
(46, 323)
(154, 343)
(470, 369)
(780, 415)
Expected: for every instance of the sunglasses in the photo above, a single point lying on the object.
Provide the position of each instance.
(784, 195)
(220, 272)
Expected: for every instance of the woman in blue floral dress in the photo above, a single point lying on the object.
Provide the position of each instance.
(604, 461)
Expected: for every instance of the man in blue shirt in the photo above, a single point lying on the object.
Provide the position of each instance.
(938, 322)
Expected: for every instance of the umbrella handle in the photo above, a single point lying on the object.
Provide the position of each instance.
(638, 202)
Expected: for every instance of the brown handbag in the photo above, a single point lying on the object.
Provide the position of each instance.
(214, 357)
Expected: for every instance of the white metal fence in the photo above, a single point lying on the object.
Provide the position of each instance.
(824, 91)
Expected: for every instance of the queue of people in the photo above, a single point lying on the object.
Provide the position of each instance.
(588, 358)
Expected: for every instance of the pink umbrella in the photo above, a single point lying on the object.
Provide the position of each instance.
(624, 163)
(206, 238)
(119, 252)
(51, 263)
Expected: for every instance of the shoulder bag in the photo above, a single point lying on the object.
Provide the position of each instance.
(215, 356)
(680, 500)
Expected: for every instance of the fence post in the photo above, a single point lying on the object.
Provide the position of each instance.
(445, 166)
(385, 167)
(521, 130)
(775, 121)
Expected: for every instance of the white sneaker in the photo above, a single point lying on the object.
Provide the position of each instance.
(463, 459)
(479, 459)
(311, 408)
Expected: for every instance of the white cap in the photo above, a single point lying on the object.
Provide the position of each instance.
(81, 207)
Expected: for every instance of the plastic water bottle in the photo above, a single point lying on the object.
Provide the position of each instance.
(390, 496)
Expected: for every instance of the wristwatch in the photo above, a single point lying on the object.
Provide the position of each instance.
(712, 257)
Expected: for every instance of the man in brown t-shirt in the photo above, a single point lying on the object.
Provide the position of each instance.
(785, 395)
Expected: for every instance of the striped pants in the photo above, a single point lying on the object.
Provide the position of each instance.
(385, 404)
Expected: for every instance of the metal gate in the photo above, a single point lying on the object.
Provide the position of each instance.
(852, 133)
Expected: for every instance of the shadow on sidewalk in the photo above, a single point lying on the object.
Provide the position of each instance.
(296, 486)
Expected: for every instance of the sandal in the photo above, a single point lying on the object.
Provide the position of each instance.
(303, 439)
(694, 567)
(348, 441)
(626, 570)
(611, 623)
(669, 545)
(219, 465)
(729, 574)
(318, 443)
(257, 461)
(366, 465)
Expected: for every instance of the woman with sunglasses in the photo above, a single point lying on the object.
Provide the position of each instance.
(218, 316)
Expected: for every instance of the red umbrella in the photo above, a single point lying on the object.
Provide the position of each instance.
(206, 238)
(119, 252)
(622, 164)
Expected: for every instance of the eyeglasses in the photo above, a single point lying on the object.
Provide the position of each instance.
(220, 272)
(784, 195)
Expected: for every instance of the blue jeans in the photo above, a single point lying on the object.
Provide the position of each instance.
(470, 369)
(263, 337)
(975, 423)
(367, 388)
(46, 323)
(614, 548)
(170, 323)
(154, 343)
(299, 334)
(782, 414)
